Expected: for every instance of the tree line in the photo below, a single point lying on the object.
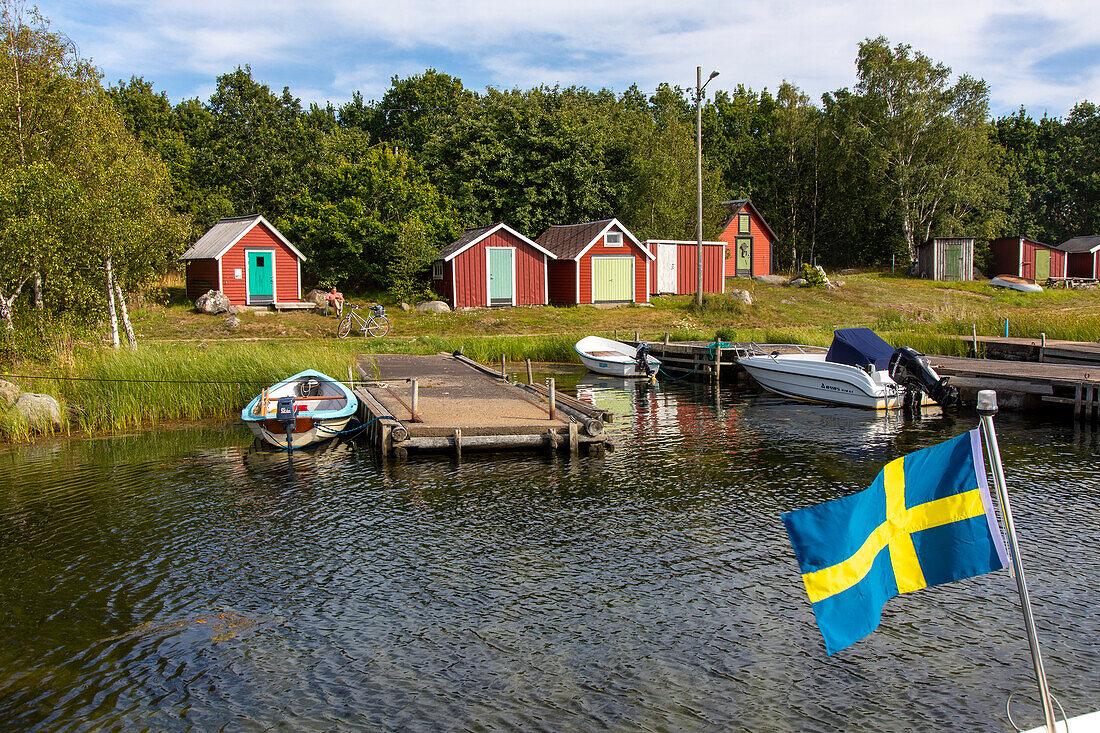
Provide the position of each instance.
(369, 190)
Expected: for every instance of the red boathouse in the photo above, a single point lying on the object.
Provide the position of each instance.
(1028, 258)
(596, 262)
(491, 266)
(748, 240)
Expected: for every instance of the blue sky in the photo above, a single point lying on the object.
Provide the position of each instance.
(1042, 55)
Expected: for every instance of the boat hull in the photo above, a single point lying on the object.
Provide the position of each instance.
(318, 431)
(809, 377)
(322, 409)
(613, 358)
(1015, 283)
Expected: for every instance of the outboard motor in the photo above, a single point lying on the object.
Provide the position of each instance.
(284, 413)
(910, 369)
(641, 360)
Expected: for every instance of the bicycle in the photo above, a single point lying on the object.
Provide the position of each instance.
(375, 324)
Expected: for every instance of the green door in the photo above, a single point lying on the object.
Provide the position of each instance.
(952, 261)
(500, 276)
(612, 279)
(1042, 264)
(261, 277)
(743, 248)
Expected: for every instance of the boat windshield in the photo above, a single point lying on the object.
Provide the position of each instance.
(859, 347)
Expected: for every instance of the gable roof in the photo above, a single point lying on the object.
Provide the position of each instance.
(470, 237)
(571, 241)
(1021, 238)
(1081, 244)
(228, 231)
(735, 207)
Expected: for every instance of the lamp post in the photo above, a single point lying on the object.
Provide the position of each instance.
(699, 87)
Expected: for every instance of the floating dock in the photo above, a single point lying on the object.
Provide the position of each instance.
(449, 403)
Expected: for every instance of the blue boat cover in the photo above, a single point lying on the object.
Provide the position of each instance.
(859, 347)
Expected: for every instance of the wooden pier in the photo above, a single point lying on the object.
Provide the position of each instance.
(449, 403)
(1042, 350)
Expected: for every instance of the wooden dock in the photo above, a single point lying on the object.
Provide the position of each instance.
(1042, 350)
(449, 403)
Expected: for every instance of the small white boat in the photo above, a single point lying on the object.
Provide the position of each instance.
(1023, 284)
(859, 370)
(615, 358)
(308, 408)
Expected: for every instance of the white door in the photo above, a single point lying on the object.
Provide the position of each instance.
(666, 268)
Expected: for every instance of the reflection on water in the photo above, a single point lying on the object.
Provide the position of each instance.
(183, 579)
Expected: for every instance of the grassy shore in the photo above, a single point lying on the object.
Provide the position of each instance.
(190, 366)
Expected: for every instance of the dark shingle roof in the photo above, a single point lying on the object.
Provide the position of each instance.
(1081, 244)
(734, 207)
(569, 240)
(467, 236)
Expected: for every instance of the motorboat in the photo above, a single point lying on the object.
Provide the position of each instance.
(617, 359)
(1011, 282)
(859, 369)
(299, 411)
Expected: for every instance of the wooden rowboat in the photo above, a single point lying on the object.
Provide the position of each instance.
(299, 411)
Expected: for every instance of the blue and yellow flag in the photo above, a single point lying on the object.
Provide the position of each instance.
(927, 519)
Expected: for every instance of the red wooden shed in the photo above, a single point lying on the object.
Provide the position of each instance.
(748, 240)
(596, 262)
(675, 266)
(1082, 256)
(246, 258)
(491, 266)
(1028, 258)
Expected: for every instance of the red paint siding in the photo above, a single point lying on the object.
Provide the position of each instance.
(1083, 264)
(761, 245)
(687, 268)
(287, 287)
(1007, 258)
(471, 273)
(563, 281)
(641, 286)
(202, 275)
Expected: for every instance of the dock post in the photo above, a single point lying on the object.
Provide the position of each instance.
(503, 367)
(666, 338)
(530, 380)
(974, 337)
(635, 337)
(1042, 347)
(574, 438)
(717, 358)
(458, 444)
(553, 397)
(415, 409)
(1077, 402)
(1006, 327)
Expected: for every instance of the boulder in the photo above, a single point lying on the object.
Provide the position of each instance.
(741, 296)
(799, 282)
(850, 271)
(213, 302)
(771, 279)
(404, 306)
(433, 306)
(318, 298)
(41, 412)
(232, 322)
(9, 393)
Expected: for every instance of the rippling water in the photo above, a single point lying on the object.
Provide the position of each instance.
(178, 579)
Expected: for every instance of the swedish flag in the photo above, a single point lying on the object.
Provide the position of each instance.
(927, 519)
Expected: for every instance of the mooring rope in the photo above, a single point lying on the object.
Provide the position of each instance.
(142, 381)
(712, 349)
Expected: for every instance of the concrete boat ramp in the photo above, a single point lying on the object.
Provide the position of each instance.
(449, 403)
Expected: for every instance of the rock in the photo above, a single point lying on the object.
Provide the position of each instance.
(787, 301)
(799, 282)
(850, 271)
(213, 302)
(233, 322)
(317, 297)
(838, 283)
(41, 412)
(9, 393)
(433, 306)
(742, 296)
(404, 306)
(771, 279)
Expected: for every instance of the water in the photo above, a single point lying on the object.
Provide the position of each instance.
(177, 579)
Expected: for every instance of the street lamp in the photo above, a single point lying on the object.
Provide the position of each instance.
(699, 87)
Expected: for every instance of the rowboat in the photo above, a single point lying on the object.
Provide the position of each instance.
(858, 370)
(615, 358)
(1023, 284)
(308, 408)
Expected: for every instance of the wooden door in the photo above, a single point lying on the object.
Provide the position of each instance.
(743, 252)
(952, 261)
(666, 268)
(261, 277)
(1042, 264)
(612, 279)
(501, 282)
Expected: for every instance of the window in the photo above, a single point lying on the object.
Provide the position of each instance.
(742, 223)
(613, 239)
(259, 262)
(437, 270)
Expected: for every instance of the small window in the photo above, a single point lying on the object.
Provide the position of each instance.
(259, 262)
(742, 223)
(437, 270)
(613, 239)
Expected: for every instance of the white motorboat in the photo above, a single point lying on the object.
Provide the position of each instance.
(1011, 282)
(615, 358)
(308, 408)
(859, 369)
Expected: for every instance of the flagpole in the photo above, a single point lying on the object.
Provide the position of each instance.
(987, 408)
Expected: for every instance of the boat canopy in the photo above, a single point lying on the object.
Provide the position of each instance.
(859, 347)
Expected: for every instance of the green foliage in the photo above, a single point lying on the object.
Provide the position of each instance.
(409, 259)
(813, 275)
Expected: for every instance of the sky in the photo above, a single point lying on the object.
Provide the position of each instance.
(1043, 55)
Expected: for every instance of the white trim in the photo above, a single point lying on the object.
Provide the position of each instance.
(454, 287)
(545, 281)
(488, 282)
(299, 279)
(278, 235)
(633, 276)
(625, 231)
(220, 283)
(1020, 260)
(274, 278)
(577, 283)
(493, 230)
(646, 282)
(681, 241)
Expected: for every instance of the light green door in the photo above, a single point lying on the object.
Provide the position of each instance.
(1042, 264)
(500, 276)
(952, 261)
(743, 247)
(261, 277)
(612, 279)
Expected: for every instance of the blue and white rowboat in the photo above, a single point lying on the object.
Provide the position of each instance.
(322, 408)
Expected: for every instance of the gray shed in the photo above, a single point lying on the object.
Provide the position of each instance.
(946, 258)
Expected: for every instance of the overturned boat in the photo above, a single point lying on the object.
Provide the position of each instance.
(308, 408)
(859, 369)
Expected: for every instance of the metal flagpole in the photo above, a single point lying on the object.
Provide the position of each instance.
(987, 408)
